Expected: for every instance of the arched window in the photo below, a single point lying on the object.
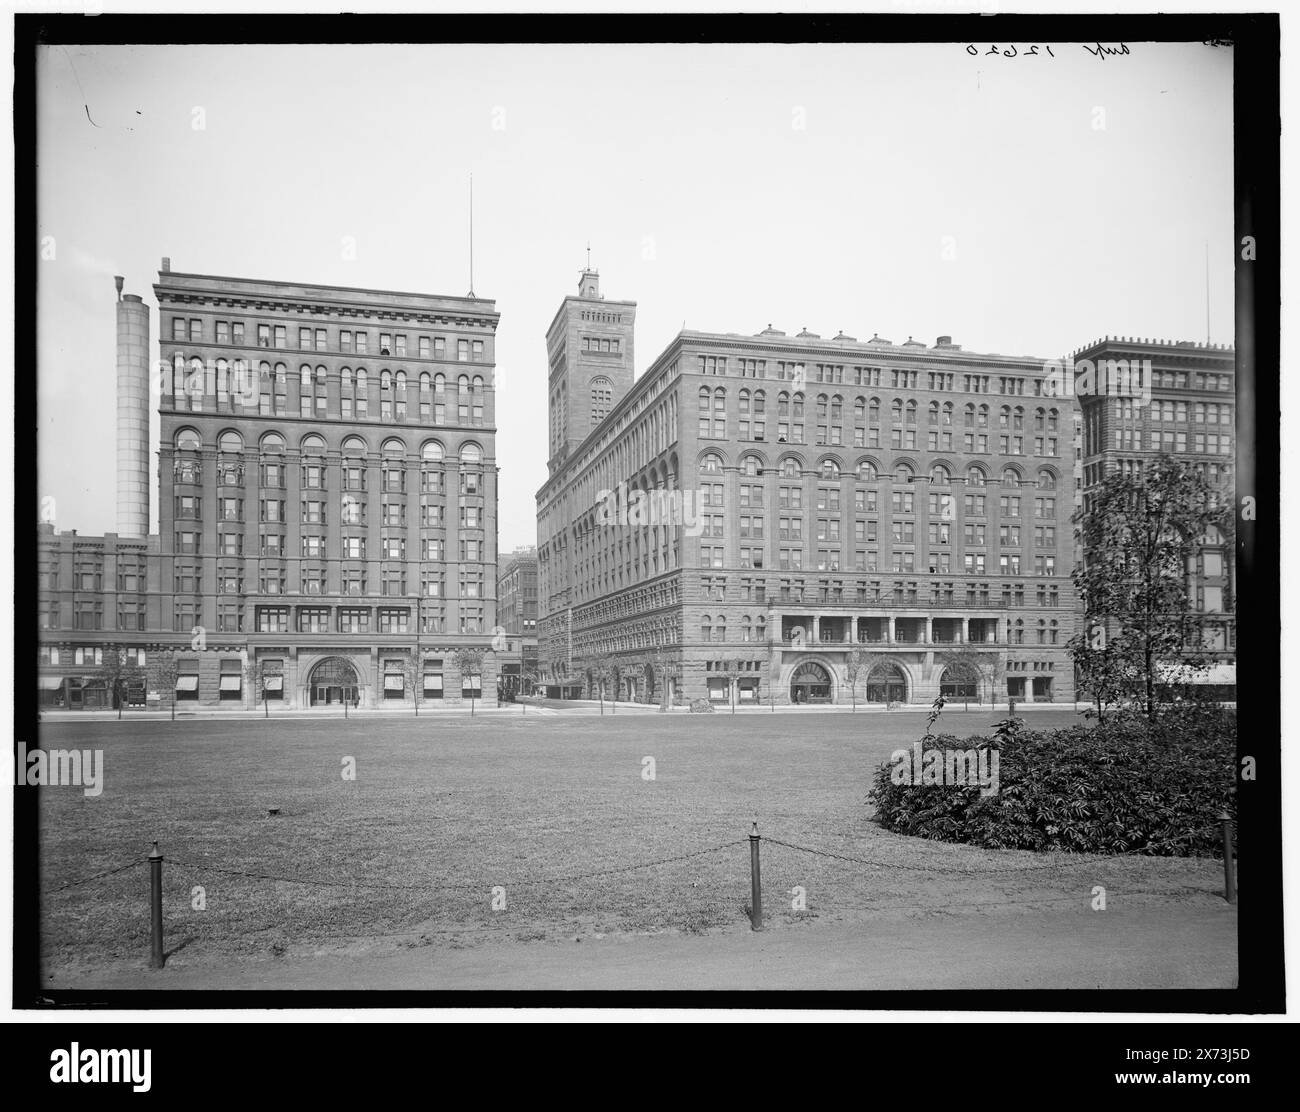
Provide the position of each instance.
(903, 473)
(911, 412)
(426, 396)
(751, 466)
(934, 413)
(223, 383)
(271, 442)
(385, 395)
(940, 475)
(867, 472)
(706, 628)
(393, 447)
(312, 445)
(710, 463)
(354, 446)
(830, 469)
(345, 392)
(471, 453)
(1010, 476)
(975, 476)
(969, 415)
(896, 411)
(195, 386)
(790, 468)
(602, 398)
(363, 392)
(187, 440)
(1046, 480)
(431, 452)
(742, 400)
(399, 395)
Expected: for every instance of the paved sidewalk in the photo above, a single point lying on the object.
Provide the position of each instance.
(1156, 947)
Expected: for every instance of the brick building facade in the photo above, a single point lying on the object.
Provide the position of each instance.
(327, 497)
(753, 510)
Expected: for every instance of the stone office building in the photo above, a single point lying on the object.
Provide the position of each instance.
(756, 514)
(1142, 398)
(327, 494)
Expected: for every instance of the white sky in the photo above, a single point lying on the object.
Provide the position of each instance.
(682, 165)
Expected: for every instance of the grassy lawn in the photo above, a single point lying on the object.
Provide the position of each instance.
(445, 810)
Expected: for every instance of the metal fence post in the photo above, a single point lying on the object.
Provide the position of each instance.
(1229, 866)
(756, 883)
(155, 909)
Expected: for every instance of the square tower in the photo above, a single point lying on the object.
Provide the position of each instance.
(589, 355)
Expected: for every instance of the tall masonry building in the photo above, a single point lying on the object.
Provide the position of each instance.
(327, 501)
(799, 519)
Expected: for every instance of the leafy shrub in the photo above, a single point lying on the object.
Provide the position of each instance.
(1128, 784)
(701, 706)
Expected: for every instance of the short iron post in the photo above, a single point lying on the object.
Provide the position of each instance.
(756, 883)
(155, 909)
(1229, 865)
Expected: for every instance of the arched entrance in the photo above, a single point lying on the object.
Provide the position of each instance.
(333, 680)
(811, 683)
(886, 684)
(959, 681)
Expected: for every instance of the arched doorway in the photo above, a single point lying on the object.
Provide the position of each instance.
(811, 683)
(886, 684)
(333, 680)
(959, 681)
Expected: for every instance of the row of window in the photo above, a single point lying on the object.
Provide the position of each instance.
(313, 512)
(234, 387)
(272, 443)
(274, 545)
(311, 338)
(856, 375)
(903, 561)
(867, 471)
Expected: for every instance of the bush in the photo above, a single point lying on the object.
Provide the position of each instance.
(1129, 784)
(701, 706)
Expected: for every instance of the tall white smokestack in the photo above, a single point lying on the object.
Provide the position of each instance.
(132, 415)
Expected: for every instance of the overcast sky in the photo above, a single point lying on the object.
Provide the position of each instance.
(720, 187)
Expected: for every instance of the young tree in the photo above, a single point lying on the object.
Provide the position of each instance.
(970, 666)
(854, 664)
(1137, 533)
(164, 669)
(600, 667)
(119, 672)
(469, 662)
(255, 673)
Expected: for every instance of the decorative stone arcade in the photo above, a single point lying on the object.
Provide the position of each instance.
(904, 652)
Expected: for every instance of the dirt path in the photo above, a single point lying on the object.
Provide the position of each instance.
(1144, 947)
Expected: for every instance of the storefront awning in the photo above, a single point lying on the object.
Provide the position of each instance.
(231, 683)
(50, 683)
(433, 681)
(273, 683)
(1214, 673)
(394, 683)
(187, 683)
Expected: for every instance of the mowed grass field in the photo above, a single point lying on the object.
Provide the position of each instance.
(447, 813)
